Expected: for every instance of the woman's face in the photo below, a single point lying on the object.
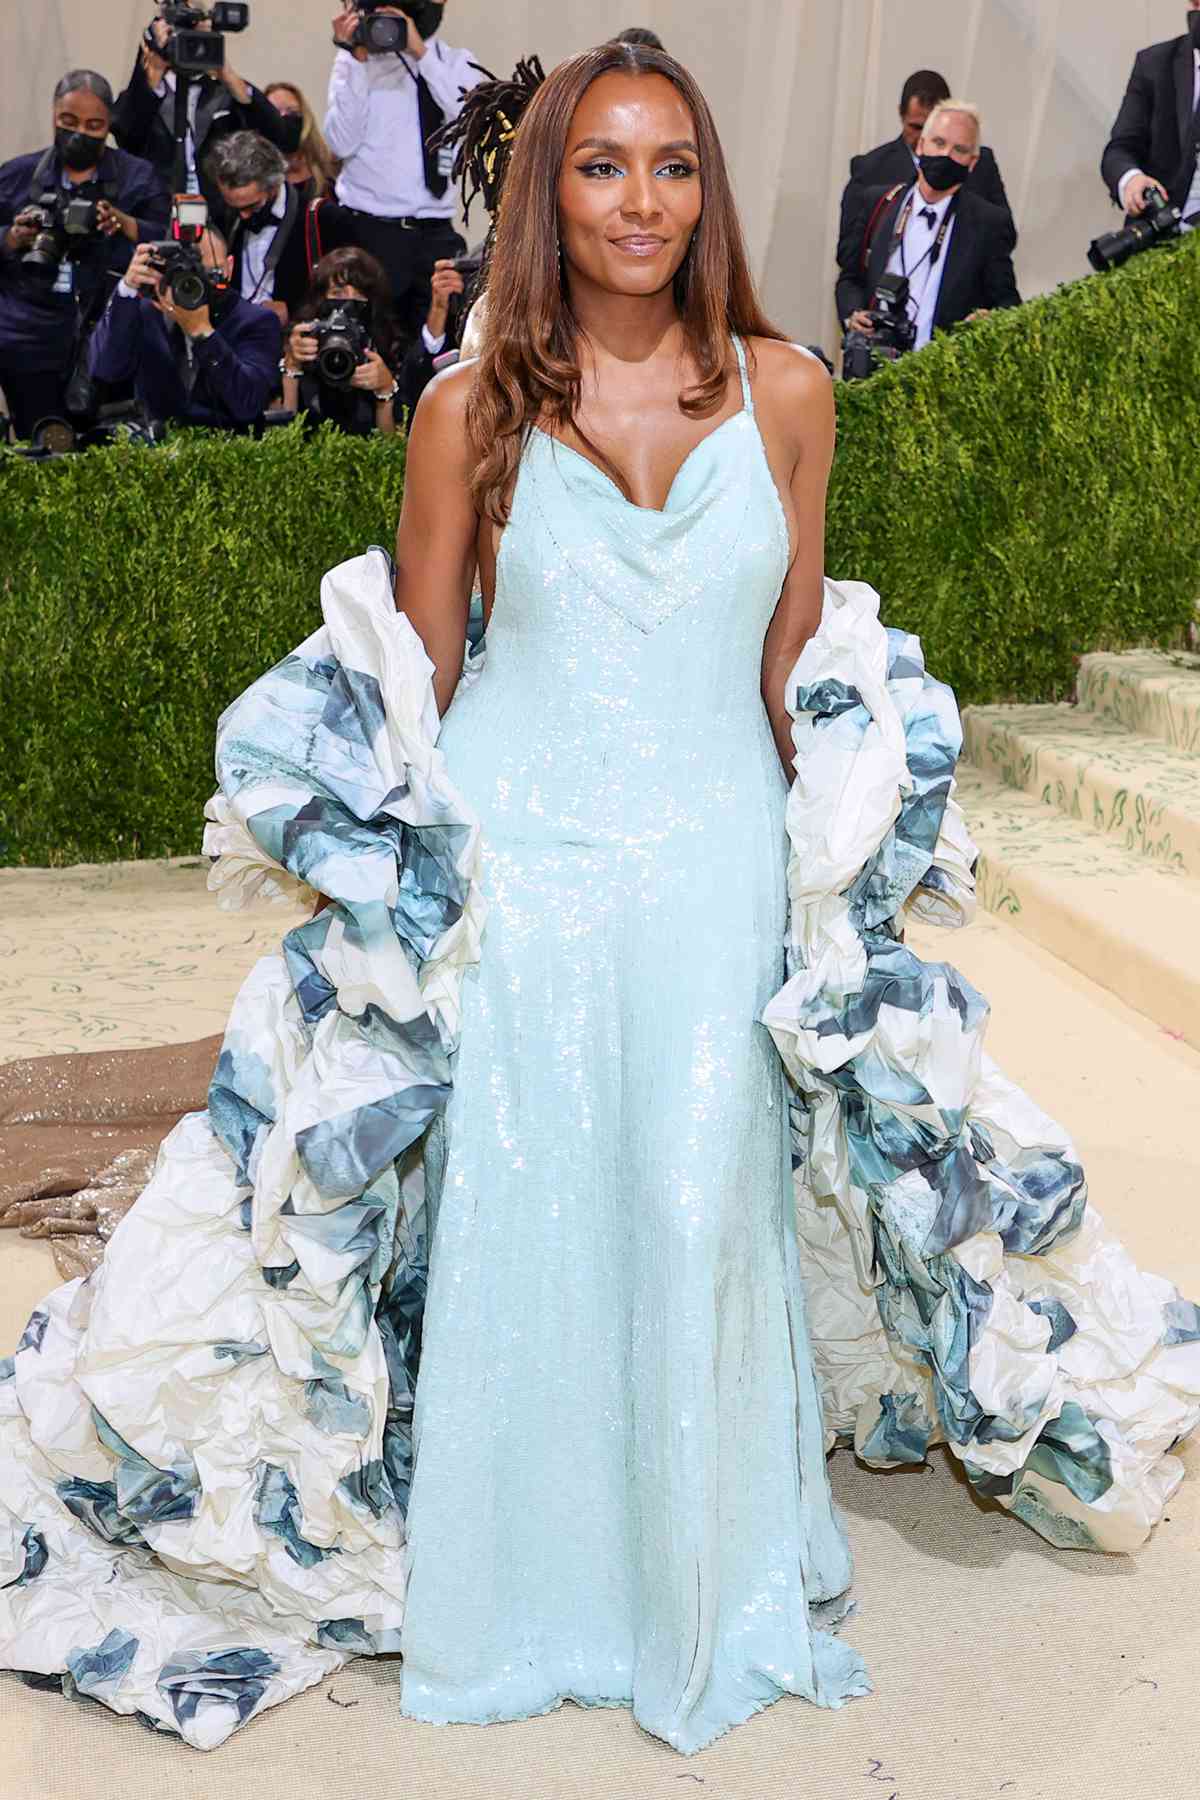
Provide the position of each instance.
(343, 290)
(630, 193)
(285, 102)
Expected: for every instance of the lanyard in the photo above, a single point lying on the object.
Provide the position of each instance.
(934, 251)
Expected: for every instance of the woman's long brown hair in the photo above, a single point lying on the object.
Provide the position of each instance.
(528, 365)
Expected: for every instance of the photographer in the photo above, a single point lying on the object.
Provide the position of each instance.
(213, 364)
(952, 248)
(383, 109)
(54, 282)
(1155, 142)
(342, 355)
(897, 159)
(267, 240)
(144, 115)
(443, 325)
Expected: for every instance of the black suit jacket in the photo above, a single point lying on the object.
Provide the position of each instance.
(1153, 131)
(892, 162)
(139, 127)
(978, 273)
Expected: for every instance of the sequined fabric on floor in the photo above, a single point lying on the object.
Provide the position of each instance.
(79, 1135)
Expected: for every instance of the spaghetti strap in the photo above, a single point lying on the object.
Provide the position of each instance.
(747, 397)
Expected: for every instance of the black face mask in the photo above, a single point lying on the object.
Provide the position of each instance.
(77, 150)
(289, 133)
(1194, 28)
(943, 173)
(426, 15)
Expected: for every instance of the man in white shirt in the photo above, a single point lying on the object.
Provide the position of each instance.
(382, 110)
(1155, 143)
(953, 247)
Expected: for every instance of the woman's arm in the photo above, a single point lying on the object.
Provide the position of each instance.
(439, 529)
(794, 398)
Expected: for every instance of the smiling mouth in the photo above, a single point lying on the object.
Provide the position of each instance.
(639, 246)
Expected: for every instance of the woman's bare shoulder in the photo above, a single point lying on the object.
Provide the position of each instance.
(443, 405)
(793, 396)
(439, 423)
(789, 369)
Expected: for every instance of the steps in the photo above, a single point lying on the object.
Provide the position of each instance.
(1088, 823)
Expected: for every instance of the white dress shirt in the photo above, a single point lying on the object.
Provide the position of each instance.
(912, 257)
(373, 123)
(1192, 203)
(258, 282)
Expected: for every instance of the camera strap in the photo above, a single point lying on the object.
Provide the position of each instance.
(42, 174)
(934, 252)
(880, 208)
(314, 250)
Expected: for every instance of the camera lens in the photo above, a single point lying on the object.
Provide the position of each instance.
(336, 363)
(383, 32)
(188, 289)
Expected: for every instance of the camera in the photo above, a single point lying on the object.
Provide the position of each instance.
(191, 51)
(343, 339)
(177, 259)
(1160, 221)
(379, 33)
(65, 225)
(181, 272)
(895, 334)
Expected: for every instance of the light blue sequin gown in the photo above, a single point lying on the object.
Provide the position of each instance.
(620, 1492)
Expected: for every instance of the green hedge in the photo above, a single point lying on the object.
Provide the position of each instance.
(1019, 493)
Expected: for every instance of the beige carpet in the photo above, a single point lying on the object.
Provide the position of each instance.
(1001, 1666)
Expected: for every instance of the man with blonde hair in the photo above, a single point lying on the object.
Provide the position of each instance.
(953, 248)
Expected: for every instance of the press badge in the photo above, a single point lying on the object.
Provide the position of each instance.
(64, 281)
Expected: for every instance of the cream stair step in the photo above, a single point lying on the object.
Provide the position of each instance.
(1152, 692)
(1129, 924)
(1134, 789)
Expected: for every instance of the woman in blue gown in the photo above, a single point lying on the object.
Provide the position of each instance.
(596, 1155)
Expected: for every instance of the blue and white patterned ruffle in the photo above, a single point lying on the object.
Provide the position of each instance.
(960, 1288)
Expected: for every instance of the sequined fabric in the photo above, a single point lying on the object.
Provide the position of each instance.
(78, 1138)
(619, 1490)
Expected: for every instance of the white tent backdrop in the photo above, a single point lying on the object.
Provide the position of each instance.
(797, 87)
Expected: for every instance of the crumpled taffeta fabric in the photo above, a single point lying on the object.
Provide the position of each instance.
(960, 1287)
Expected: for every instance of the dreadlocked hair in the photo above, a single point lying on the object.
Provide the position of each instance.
(483, 133)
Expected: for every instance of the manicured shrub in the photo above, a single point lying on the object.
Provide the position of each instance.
(1020, 492)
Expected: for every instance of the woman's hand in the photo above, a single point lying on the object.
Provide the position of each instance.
(372, 374)
(301, 346)
(446, 281)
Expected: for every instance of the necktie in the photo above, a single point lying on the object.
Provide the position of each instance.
(929, 216)
(432, 119)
